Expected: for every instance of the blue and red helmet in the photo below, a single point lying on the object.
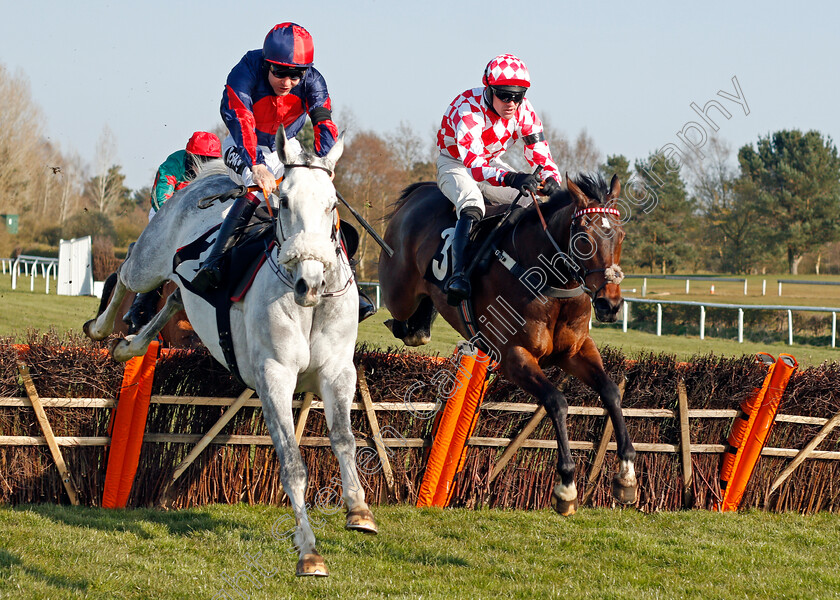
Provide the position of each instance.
(290, 45)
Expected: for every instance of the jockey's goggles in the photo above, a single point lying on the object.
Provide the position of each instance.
(508, 96)
(282, 71)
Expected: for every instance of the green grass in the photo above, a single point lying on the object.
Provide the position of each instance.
(22, 310)
(57, 552)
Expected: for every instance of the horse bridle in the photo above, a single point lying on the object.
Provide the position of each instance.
(579, 263)
(296, 166)
(282, 273)
(571, 259)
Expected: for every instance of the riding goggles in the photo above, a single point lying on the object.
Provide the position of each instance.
(506, 96)
(282, 71)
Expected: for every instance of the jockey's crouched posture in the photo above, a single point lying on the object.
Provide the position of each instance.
(274, 85)
(476, 129)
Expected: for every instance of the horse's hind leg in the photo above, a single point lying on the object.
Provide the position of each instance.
(587, 366)
(136, 345)
(102, 326)
(417, 329)
(522, 368)
(337, 392)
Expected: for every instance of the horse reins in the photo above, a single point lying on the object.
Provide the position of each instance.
(580, 272)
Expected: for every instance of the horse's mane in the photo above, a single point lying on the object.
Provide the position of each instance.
(211, 167)
(396, 205)
(217, 165)
(591, 184)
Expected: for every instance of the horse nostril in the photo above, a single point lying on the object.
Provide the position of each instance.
(603, 306)
(300, 287)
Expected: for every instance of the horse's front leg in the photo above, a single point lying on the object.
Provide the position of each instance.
(522, 368)
(587, 366)
(276, 389)
(338, 385)
(137, 345)
(101, 327)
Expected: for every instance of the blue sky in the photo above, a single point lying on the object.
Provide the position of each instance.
(626, 72)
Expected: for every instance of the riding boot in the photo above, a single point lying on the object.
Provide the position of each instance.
(210, 274)
(366, 306)
(142, 310)
(457, 289)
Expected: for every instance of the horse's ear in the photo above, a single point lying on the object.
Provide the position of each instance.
(615, 188)
(335, 152)
(280, 145)
(580, 198)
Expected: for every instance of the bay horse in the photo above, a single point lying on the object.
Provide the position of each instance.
(294, 331)
(178, 331)
(530, 308)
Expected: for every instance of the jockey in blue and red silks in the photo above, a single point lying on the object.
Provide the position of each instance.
(476, 129)
(268, 87)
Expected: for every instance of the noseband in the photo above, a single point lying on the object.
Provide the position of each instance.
(282, 272)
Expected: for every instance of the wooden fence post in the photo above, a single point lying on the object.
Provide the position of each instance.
(685, 446)
(600, 454)
(377, 435)
(803, 454)
(515, 444)
(204, 442)
(48, 432)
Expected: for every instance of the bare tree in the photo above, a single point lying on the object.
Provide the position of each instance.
(102, 192)
(20, 142)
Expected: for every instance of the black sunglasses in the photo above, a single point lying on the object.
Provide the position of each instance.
(509, 96)
(281, 71)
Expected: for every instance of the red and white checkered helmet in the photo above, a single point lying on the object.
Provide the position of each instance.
(506, 69)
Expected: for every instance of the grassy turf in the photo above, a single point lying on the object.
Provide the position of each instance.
(63, 552)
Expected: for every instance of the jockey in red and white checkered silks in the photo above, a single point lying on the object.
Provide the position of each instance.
(476, 129)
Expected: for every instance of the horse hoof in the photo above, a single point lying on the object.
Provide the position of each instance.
(623, 493)
(311, 565)
(565, 508)
(117, 348)
(361, 520)
(87, 327)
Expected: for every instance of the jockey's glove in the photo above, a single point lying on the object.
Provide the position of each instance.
(524, 182)
(550, 186)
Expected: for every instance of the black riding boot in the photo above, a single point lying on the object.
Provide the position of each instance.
(210, 274)
(142, 310)
(458, 287)
(366, 306)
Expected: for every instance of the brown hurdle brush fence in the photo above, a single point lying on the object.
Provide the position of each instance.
(679, 416)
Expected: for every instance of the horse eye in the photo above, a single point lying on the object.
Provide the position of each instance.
(284, 202)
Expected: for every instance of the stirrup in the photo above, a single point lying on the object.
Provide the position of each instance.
(455, 293)
(208, 277)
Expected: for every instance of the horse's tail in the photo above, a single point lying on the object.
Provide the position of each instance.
(398, 204)
(107, 288)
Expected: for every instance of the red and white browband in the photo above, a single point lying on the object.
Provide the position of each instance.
(599, 209)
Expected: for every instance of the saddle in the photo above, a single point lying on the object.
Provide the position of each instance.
(482, 243)
(240, 265)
